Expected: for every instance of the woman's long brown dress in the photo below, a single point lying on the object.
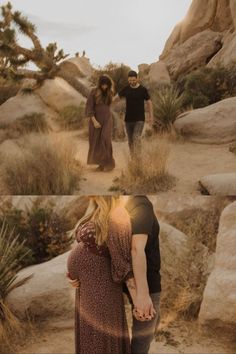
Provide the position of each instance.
(100, 139)
(100, 322)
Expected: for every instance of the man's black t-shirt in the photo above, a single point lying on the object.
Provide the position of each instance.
(144, 221)
(135, 98)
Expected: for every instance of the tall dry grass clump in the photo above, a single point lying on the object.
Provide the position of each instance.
(45, 165)
(182, 296)
(12, 252)
(147, 171)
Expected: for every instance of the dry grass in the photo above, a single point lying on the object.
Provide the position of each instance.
(199, 224)
(46, 165)
(147, 173)
(29, 123)
(72, 117)
(14, 332)
(182, 293)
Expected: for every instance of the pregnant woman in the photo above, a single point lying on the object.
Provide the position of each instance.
(99, 264)
(100, 125)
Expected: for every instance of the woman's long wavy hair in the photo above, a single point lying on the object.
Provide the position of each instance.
(98, 211)
(104, 96)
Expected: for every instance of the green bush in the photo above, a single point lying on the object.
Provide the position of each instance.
(42, 231)
(71, 117)
(206, 86)
(166, 106)
(118, 73)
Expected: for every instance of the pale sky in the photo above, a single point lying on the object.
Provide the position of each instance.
(128, 31)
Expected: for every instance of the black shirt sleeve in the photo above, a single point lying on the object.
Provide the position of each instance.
(142, 219)
(146, 94)
(122, 93)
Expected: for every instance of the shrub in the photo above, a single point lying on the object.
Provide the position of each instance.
(166, 106)
(207, 86)
(34, 122)
(146, 173)
(72, 117)
(45, 165)
(42, 230)
(118, 73)
(201, 227)
(12, 252)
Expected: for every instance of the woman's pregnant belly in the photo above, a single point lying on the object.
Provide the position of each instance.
(82, 264)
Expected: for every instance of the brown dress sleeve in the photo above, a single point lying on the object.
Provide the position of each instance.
(119, 245)
(90, 105)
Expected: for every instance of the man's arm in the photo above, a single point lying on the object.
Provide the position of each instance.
(130, 283)
(143, 302)
(117, 98)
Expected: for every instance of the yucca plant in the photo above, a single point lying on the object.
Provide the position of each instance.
(166, 105)
(12, 251)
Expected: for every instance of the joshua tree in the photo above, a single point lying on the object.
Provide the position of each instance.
(14, 57)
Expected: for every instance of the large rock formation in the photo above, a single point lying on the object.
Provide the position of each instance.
(214, 124)
(20, 105)
(78, 72)
(154, 75)
(193, 53)
(47, 294)
(208, 29)
(222, 184)
(58, 94)
(219, 300)
(83, 65)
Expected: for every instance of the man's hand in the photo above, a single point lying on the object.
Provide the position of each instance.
(143, 308)
(75, 283)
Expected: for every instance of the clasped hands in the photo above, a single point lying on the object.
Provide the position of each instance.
(143, 308)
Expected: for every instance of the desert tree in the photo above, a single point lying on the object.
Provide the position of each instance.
(14, 57)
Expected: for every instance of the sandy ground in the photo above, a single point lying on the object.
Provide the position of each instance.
(181, 338)
(188, 162)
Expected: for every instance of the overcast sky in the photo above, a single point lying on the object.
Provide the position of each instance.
(128, 31)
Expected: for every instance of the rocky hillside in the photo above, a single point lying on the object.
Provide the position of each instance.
(206, 36)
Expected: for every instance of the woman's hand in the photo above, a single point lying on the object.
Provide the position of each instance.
(75, 283)
(143, 308)
(96, 124)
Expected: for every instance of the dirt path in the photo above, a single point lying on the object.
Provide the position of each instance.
(182, 338)
(188, 162)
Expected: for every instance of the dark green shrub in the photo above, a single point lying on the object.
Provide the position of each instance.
(71, 117)
(43, 231)
(118, 73)
(206, 86)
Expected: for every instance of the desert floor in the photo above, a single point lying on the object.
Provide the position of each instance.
(187, 161)
(182, 337)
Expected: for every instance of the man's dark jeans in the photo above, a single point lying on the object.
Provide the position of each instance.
(143, 332)
(134, 132)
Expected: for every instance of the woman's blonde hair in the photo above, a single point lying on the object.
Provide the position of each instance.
(98, 211)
